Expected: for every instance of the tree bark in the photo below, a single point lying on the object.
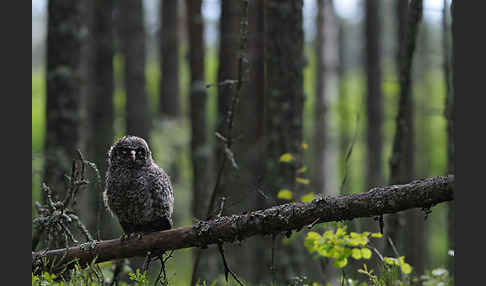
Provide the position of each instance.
(374, 107)
(229, 40)
(284, 218)
(327, 92)
(200, 149)
(449, 55)
(283, 124)
(62, 136)
(401, 161)
(169, 105)
(132, 38)
(100, 113)
(327, 89)
(374, 99)
(248, 128)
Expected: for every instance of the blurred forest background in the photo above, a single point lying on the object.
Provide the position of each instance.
(322, 82)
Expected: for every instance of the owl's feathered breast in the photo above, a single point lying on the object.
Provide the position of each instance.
(139, 196)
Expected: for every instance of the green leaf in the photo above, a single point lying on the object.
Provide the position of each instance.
(302, 181)
(356, 253)
(391, 261)
(341, 231)
(340, 263)
(284, 194)
(301, 170)
(366, 253)
(307, 198)
(310, 240)
(406, 268)
(287, 157)
(377, 235)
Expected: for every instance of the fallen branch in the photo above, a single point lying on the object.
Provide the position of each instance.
(423, 194)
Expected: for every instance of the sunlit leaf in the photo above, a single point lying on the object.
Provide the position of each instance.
(340, 263)
(302, 181)
(284, 194)
(304, 146)
(377, 235)
(310, 240)
(287, 157)
(406, 268)
(366, 253)
(356, 253)
(391, 261)
(307, 198)
(301, 170)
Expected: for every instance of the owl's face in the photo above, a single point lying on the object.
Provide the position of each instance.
(130, 152)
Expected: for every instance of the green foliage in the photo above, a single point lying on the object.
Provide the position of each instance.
(287, 157)
(339, 245)
(285, 194)
(307, 198)
(400, 262)
(436, 277)
(138, 278)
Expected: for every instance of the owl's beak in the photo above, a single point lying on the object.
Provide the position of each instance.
(133, 152)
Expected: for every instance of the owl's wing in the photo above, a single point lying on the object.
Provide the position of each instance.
(162, 193)
(106, 195)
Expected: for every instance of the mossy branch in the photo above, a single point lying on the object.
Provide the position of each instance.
(423, 194)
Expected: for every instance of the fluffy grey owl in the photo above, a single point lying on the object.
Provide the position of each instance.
(138, 192)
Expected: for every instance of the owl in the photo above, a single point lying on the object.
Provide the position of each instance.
(138, 192)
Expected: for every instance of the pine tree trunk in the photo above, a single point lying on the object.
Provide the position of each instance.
(100, 114)
(169, 105)
(229, 40)
(62, 92)
(327, 92)
(132, 38)
(374, 99)
(401, 162)
(374, 107)
(200, 149)
(63, 115)
(248, 127)
(327, 89)
(283, 128)
(449, 75)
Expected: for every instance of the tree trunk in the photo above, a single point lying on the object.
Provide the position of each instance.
(229, 40)
(62, 92)
(345, 117)
(449, 75)
(200, 149)
(248, 126)
(401, 161)
(283, 126)
(169, 105)
(327, 89)
(374, 107)
(132, 38)
(100, 113)
(374, 99)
